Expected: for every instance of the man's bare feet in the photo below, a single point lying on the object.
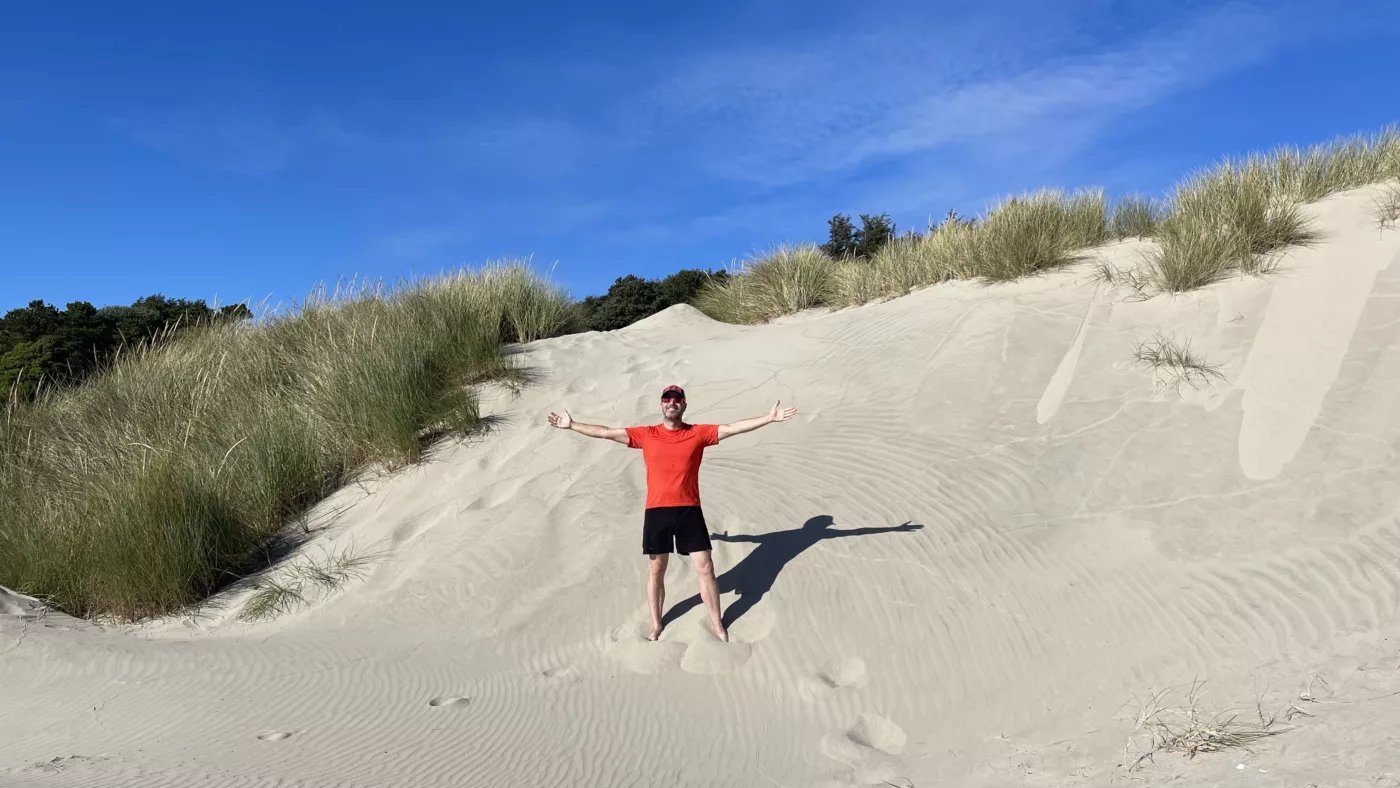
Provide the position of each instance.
(655, 631)
(720, 632)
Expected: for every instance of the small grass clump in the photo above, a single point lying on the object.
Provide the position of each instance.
(1112, 275)
(1175, 363)
(159, 480)
(1189, 257)
(289, 588)
(1386, 206)
(1163, 726)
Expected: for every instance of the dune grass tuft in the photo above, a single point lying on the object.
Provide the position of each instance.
(1231, 219)
(1162, 725)
(158, 481)
(1112, 275)
(783, 280)
(1174, 362)
(900, 267)
(288, 588)
(1235, 217)
(1025, 235)
(1386, 205)
(792, 278)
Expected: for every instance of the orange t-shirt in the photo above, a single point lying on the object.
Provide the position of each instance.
(672, 458)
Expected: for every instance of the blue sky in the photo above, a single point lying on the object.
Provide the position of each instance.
(250, 150)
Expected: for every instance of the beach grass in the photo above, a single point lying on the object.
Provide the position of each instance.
(1019, 237)
(162, 479)
(1235, 217)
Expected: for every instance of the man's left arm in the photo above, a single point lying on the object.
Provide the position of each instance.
(778, 413)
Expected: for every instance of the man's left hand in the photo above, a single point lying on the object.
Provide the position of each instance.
(780, 413)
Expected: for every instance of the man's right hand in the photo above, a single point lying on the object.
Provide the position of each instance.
(566, 422)
(562, 422)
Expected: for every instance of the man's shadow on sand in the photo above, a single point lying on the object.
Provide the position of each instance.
(754, 575)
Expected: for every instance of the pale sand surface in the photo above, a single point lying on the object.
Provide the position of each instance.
(1087, 536)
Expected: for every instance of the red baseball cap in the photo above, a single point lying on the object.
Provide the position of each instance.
(677, 390)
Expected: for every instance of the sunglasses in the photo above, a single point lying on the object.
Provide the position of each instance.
(672, 398)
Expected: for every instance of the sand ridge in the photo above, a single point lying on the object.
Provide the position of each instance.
(985, 531)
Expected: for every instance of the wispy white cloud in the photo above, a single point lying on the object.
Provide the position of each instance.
(914, 121)
(781, 117)
(868, 112)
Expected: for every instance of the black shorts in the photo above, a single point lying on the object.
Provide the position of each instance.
(681, 526)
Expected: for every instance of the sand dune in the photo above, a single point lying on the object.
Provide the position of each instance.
(984, 533)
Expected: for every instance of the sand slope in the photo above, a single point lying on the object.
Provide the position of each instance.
(985, 531)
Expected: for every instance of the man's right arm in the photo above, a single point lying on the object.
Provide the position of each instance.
(618, 434)
(566, 422)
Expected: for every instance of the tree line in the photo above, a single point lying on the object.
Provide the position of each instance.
(42, 345)
(631, 297)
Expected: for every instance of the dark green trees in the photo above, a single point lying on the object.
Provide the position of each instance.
(845, 241)
(632, 297)
(62, 346)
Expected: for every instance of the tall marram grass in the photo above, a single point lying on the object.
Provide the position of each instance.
(1025, 235)
(1234, 217)
(161, 479)
(786, 279)
(1136, 217)
(1018, 237)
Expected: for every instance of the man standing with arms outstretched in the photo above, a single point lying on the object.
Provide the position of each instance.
(674, 522)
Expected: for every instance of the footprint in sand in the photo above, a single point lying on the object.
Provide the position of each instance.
(565, 674)
(454, 701)
(834, 676)
(690, 646)
(629, 644)
(406, 531)
(755, 625)
(274, 735)
(870, 747)
(708, 654)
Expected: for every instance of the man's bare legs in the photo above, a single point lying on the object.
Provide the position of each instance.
(656, 591)
(709, 590)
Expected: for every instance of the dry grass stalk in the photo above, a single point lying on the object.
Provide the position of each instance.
(1386, 206)
(1163, 727)
(1175, 363)
(1112, 275)
(282, 594)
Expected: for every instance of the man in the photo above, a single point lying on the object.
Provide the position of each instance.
(674, 521)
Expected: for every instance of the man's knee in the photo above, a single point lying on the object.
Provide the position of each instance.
(658, 564)
(704, 567)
